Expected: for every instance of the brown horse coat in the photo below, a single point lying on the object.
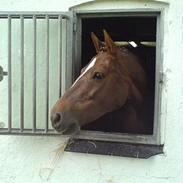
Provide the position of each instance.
(112, 88)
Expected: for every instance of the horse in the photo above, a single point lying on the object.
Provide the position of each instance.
(112, 88)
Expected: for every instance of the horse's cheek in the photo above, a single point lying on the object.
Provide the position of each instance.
(122, 96)
(87, 111)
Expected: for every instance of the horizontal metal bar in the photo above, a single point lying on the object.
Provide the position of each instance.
(30, 17)
(16, 131)
(89, 135)
(83, 134)
(5, 73)
(30, 14)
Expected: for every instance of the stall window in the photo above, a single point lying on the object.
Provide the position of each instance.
(139, 32)
(39, 48)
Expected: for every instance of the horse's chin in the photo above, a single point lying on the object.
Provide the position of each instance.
(70, 130)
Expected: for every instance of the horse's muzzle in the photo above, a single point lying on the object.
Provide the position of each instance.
(62, 124)
(56, 120)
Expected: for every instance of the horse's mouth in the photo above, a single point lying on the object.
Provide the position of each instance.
(71, 129)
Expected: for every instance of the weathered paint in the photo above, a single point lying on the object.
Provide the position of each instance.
(27, 159)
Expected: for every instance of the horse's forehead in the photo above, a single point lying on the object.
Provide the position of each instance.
(104, 60)
(104, 56)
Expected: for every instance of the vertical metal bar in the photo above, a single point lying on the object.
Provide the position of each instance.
(47, 73)
(9, 76)
(64, 61)
(34, 71)
(67, 60)
(22, 73)
(69, 50)
(60, 53)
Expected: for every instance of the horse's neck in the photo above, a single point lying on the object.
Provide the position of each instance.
(131, 118)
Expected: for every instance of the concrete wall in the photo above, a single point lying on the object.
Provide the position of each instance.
(35, 159)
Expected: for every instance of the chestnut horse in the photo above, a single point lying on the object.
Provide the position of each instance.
(113, 81)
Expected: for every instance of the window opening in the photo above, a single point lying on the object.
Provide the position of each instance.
(138, 35)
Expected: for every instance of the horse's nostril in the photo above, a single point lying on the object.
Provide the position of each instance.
(55, 117)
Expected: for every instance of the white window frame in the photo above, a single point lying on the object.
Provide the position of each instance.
(157, 137)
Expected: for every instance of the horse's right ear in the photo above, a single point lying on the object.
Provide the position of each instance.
(97, 43)
(110, 45)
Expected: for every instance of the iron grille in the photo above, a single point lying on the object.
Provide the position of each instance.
(35, 58)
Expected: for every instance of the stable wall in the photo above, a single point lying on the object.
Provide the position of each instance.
(30, 159)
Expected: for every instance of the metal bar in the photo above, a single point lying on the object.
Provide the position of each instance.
(28, 131)
(22, 74)
(34, 72)
(29, 14)
(67, 60)
(47, 73)
(9, 16)
(69, 52)
(9, 76)
(5, 73)
(60, 53)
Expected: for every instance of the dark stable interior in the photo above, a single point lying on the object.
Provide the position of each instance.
(123, 29)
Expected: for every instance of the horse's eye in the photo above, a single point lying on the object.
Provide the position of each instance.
(98, 76)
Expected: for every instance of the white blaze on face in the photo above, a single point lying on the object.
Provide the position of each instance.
(92, 63)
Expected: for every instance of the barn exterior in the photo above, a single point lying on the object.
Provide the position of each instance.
(34, 159)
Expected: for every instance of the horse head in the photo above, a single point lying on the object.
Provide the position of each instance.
(111, 78)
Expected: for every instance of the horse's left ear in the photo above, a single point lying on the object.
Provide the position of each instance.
(110, 45)
(97, 43)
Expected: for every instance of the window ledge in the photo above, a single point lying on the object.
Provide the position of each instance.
(113, 148)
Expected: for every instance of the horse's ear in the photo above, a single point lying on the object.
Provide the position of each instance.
(97, 43)
(109, 43)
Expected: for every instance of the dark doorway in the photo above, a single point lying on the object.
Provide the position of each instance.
(137, 29)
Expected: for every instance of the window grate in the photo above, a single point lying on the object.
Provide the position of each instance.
(33, 43)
